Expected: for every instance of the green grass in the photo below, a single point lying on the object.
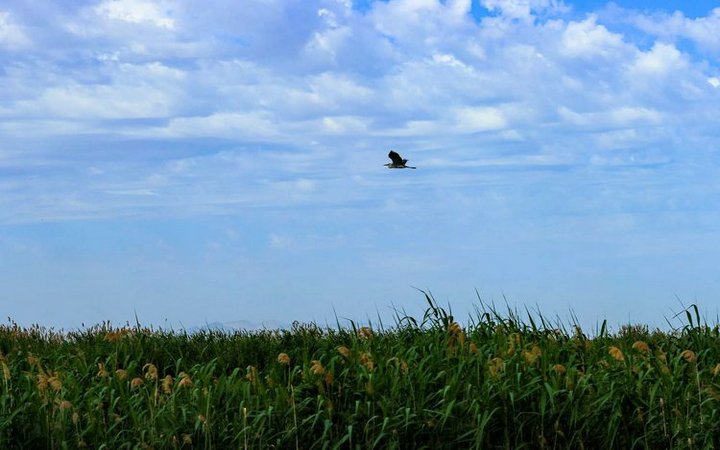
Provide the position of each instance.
(500, 382)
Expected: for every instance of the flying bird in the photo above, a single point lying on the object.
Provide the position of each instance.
(398, 162)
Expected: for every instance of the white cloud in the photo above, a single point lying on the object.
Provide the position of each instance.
(660, 60)
(12, 35)
(702, 30)
(338, 89)
(247, 125)
(587, 39)
(476, 119)
(430, 20)
(100, 101)
(450, 60)
(344, 125)
(326, 44)
(136, 11)
(329, 17)
(303, 97)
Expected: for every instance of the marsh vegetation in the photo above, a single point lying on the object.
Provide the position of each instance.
(500, 381)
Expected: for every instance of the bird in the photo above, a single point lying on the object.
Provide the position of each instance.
(397, 161)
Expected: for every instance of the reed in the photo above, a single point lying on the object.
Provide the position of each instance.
(499, 382)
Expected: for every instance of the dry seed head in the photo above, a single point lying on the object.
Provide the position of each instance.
(559, 369)
(455, 329)
(641, 347)
(329, 378)
(510, 351)
(75, 418)
(716, 370)
(114, 336)
(283, 359)
(344, 351)
(251, 374)
(473, 348)
(316, 367)
(366, 360)
(186, 439)
(136, 382)
(532, 355)
(185, 380)
(167, 384)
(616, 353)
(269, 382)
(457, 335)
(42, 382)
(151, 372)
(121, 374)
(689, 356)
(712, 392)
(102, 373)
(55, 383)
(365, 332)
(65, 404)
(496, 366)
(5, 371)
(202, 418)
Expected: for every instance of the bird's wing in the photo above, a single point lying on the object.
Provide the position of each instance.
(395, 157)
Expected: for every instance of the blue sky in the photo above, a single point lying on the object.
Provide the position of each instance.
(223, 161)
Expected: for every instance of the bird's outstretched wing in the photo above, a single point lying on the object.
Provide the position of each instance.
(395, 157)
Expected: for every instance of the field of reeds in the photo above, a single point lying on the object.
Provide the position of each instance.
(498, 382)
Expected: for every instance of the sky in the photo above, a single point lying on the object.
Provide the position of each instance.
(184, 163)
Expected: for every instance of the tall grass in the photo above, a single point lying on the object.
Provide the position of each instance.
(500, 382)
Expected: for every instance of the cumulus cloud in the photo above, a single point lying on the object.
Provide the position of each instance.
(526, 82)
(587, 39)
(659, 61)
(703, 31)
